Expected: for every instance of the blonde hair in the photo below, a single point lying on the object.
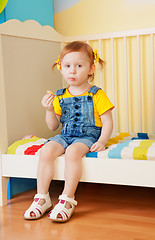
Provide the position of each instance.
(79, 46)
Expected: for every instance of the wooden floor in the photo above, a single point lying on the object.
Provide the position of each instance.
(103, 212)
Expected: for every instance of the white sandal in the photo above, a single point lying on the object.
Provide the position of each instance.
(36, 208)
(62, 210)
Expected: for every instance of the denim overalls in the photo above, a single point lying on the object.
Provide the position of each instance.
(78, 121)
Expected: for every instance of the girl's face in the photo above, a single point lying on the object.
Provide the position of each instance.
(75, 68)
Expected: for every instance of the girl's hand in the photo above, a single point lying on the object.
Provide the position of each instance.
(97, 146)
(47, 102)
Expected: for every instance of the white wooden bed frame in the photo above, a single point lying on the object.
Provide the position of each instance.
(31, 46)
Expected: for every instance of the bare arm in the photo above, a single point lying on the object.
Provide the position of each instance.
(52, 120)
(107, 127)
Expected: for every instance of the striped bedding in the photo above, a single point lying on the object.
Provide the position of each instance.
(120, 146)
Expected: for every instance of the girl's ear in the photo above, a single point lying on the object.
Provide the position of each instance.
(92, 69)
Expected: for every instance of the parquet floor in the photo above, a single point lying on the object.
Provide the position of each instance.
(105, 212)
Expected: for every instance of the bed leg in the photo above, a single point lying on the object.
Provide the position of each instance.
(3, 190)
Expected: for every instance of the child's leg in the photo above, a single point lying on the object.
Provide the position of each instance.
(45, 173)
(73, 170)
(73, 167)
(49, 152)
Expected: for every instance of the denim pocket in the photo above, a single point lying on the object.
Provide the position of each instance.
(73, 130)
(92, 131)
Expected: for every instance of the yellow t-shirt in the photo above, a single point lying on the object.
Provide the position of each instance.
(100, 100)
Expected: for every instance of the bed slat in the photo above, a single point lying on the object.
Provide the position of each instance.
(113, 82)
(139, 84)
(152, 81)
(100, 54)
(126, 84)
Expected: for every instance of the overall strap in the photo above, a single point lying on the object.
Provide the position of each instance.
(94, 89)
(60, 91)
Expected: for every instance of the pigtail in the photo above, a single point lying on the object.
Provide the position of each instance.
(97, 58)
(57, 63)
(101, 62)
(53, 66)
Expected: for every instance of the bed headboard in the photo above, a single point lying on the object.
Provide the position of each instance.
(27, 51)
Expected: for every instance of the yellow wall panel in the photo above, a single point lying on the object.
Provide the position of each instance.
(94, 16)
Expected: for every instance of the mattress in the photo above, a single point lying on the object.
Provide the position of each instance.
(138, 146)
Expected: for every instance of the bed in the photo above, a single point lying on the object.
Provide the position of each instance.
(27, 51)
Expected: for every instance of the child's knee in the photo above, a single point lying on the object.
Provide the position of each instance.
(51, 150)
(46, 151)
(72, 152)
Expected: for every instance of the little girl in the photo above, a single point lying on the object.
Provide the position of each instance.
(85, 113)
